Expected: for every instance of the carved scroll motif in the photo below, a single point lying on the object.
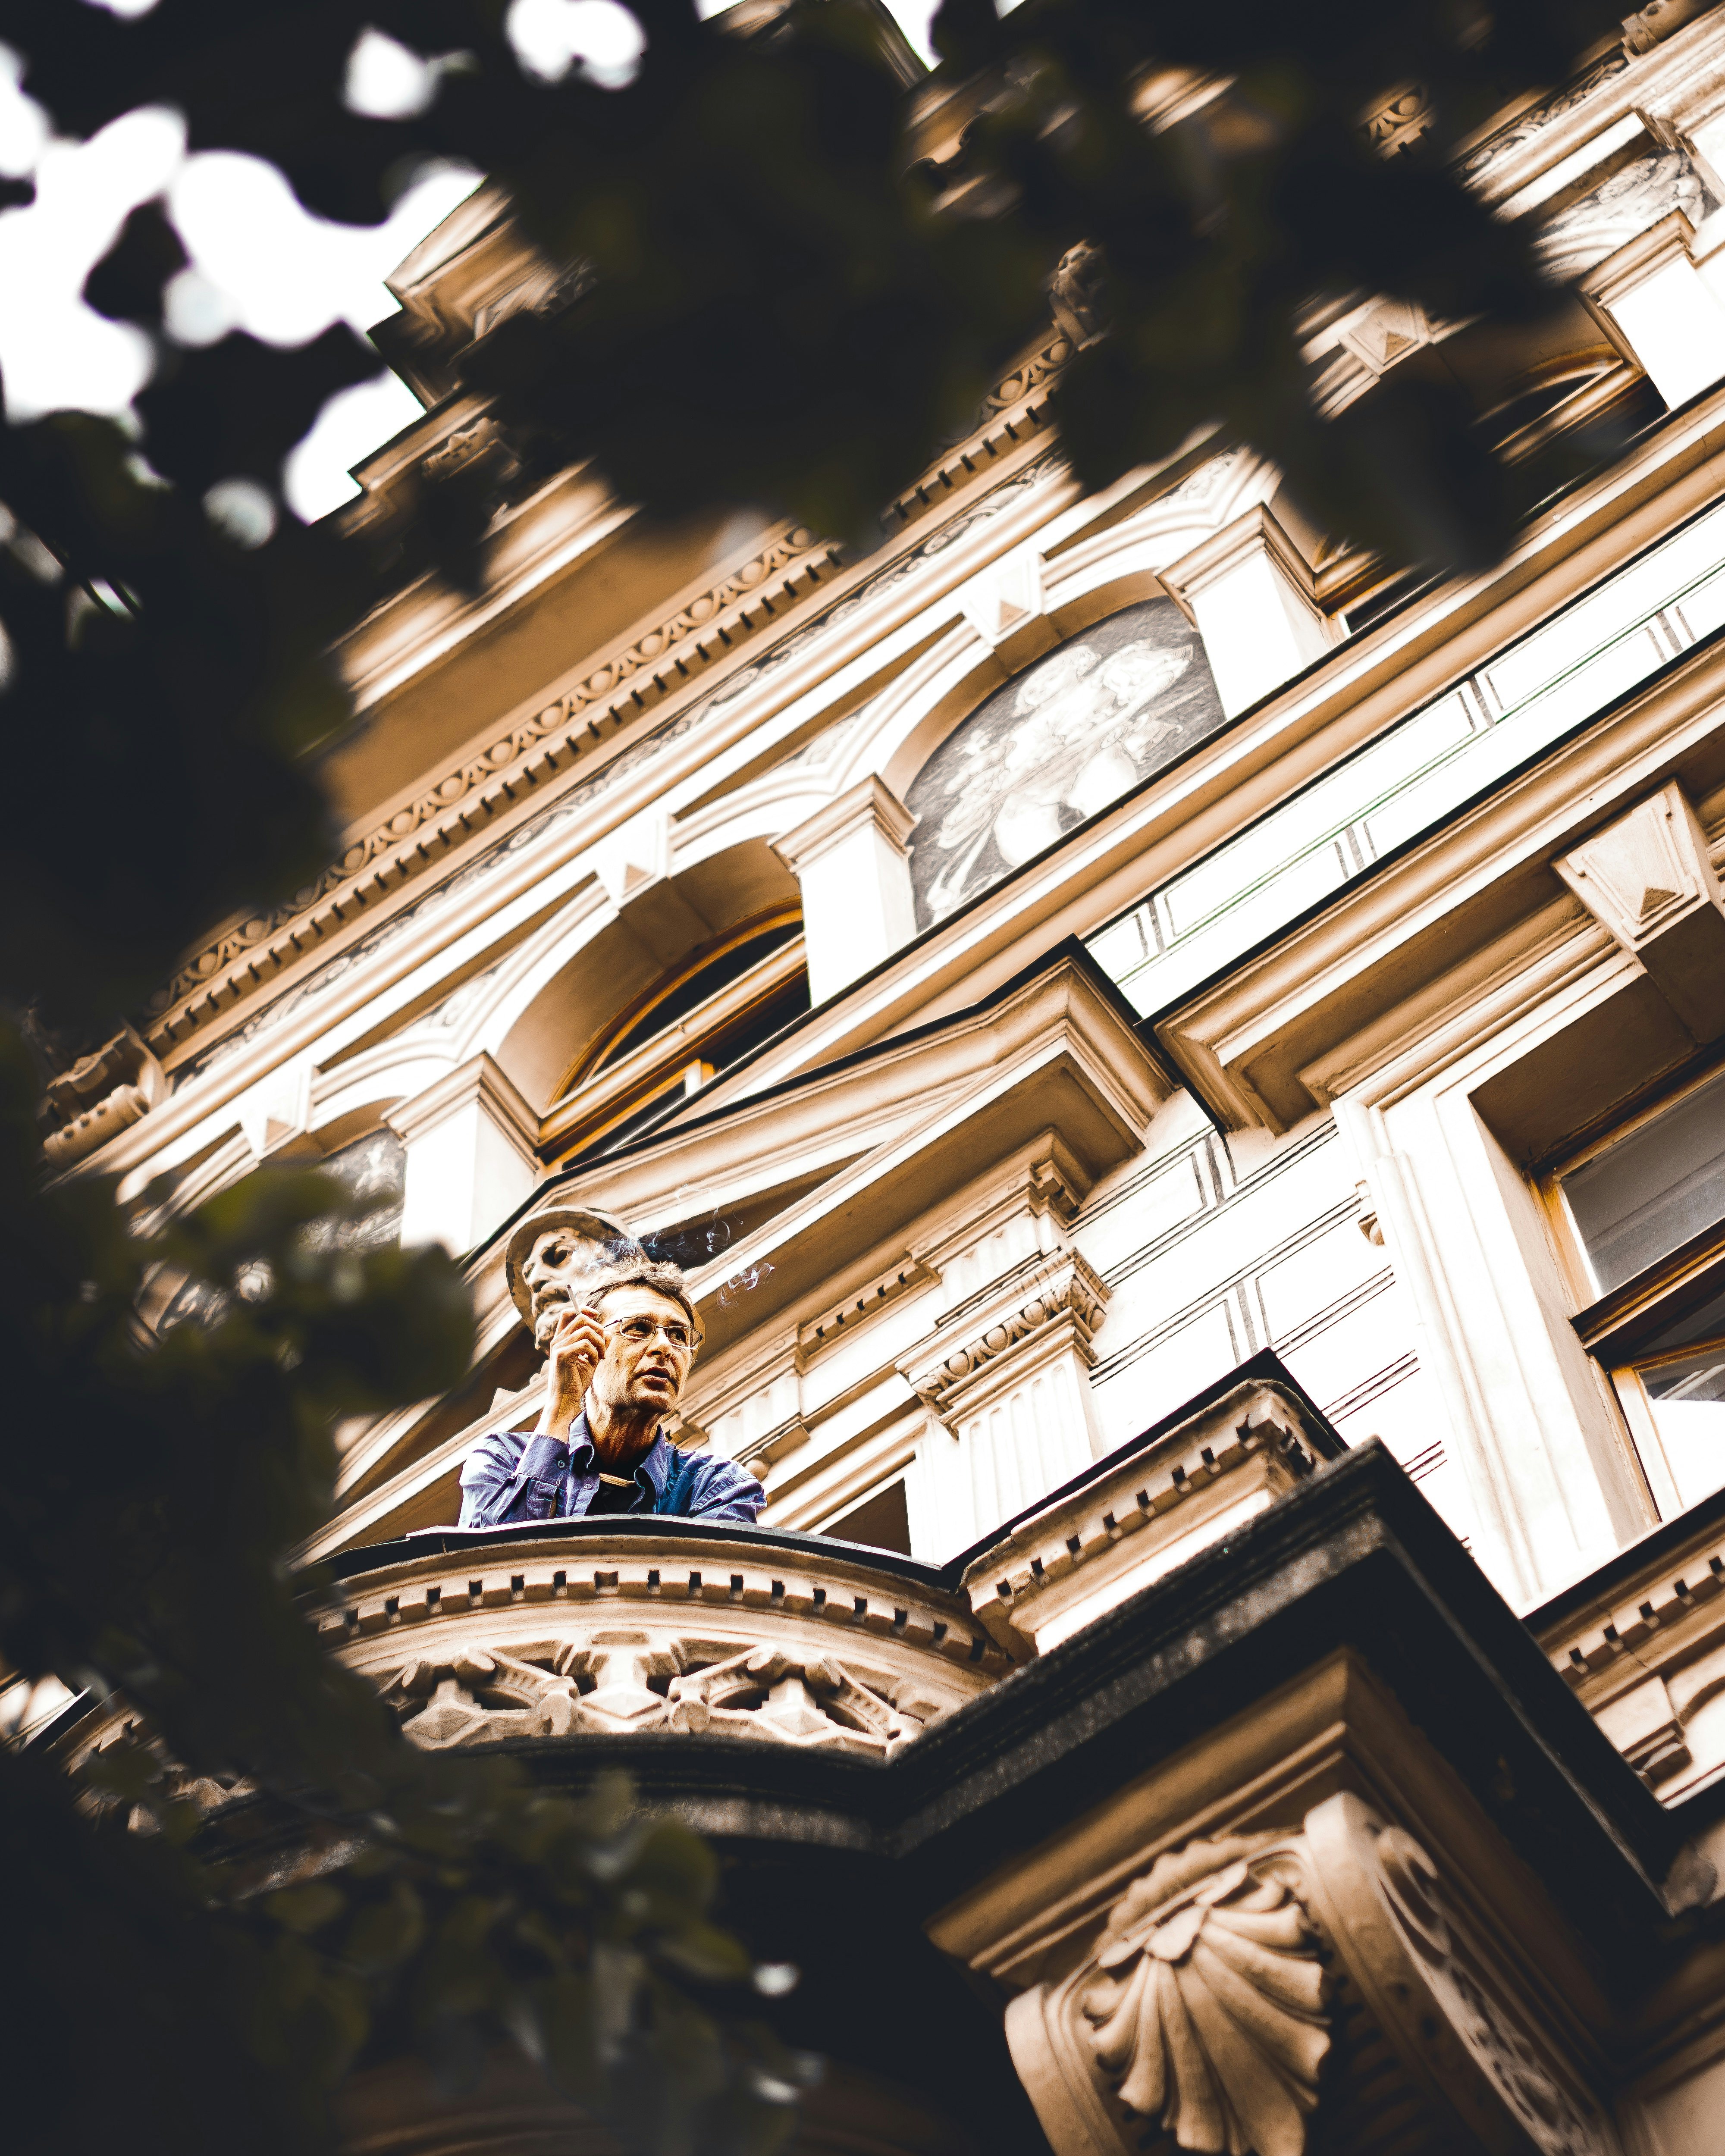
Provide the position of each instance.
(1384, 1900)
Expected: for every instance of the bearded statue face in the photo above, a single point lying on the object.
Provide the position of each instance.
(559, 1266)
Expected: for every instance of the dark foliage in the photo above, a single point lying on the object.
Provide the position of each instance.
(776, 297)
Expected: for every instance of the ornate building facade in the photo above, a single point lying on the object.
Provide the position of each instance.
(1188, 1074)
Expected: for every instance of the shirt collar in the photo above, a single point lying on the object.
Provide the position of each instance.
(654, 1468)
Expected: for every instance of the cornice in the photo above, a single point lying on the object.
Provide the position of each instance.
(462, 801)
(1347, 699)
(472, 798)
(1511, 166)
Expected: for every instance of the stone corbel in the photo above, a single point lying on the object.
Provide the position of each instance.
(106, 1092)
(1648, 880)
(1210, 2007)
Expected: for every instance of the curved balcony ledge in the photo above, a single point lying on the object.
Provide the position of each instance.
(568, 1628)
(632, 1626)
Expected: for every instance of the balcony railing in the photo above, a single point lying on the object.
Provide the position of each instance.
(624, 1626)
(567, 1627)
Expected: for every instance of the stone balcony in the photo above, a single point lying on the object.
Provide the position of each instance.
(564, 1628)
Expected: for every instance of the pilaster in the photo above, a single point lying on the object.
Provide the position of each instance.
(1007, 1374)
(853, 862)
(471, 1158)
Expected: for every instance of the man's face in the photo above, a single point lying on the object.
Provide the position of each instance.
(648, 1350)
(557, 1267)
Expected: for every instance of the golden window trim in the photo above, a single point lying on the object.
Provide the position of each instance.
(574, 1123)
(588, 1057)
(1616, 1329)
(1611, 1327)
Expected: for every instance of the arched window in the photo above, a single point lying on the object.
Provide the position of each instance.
(699, 1017)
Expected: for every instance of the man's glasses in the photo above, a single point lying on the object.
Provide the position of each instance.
(639, 1332)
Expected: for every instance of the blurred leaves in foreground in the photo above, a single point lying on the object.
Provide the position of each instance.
(789, 272)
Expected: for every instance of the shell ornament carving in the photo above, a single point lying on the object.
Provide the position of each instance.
(1205, 2011)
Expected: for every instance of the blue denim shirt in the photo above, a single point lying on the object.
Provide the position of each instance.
(510, 1476)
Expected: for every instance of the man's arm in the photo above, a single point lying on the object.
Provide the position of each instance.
(507, 1476)
(721, 1490)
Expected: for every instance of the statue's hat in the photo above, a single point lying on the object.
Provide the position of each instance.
(609, 1242)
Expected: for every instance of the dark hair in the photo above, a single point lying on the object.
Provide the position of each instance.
(666, 1279)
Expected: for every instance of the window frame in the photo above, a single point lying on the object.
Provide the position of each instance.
(598, 1100)
(1617, 1328)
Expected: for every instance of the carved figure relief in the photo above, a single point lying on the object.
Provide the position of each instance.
(624, 1679)
(1619, 210)
(1055, 748)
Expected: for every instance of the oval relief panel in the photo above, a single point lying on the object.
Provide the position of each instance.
(1068, 737)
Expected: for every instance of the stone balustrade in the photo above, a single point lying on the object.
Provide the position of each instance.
(625, 1626)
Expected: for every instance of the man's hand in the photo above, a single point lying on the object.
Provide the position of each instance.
(575, 1350)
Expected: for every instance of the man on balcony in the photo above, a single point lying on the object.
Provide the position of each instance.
(619, 1334)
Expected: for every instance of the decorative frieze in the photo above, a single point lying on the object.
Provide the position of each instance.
(586, 1632)
(461, 800)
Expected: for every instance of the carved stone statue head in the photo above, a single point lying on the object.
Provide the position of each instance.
(555, 1256)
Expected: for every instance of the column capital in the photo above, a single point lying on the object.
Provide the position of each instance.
(869, 802)
(480, 1081)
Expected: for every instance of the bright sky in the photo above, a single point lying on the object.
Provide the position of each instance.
(258, 261)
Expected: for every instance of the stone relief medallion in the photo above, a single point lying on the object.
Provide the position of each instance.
(1043, 755)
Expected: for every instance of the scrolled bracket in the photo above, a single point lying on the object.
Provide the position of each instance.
(1458, 2019)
